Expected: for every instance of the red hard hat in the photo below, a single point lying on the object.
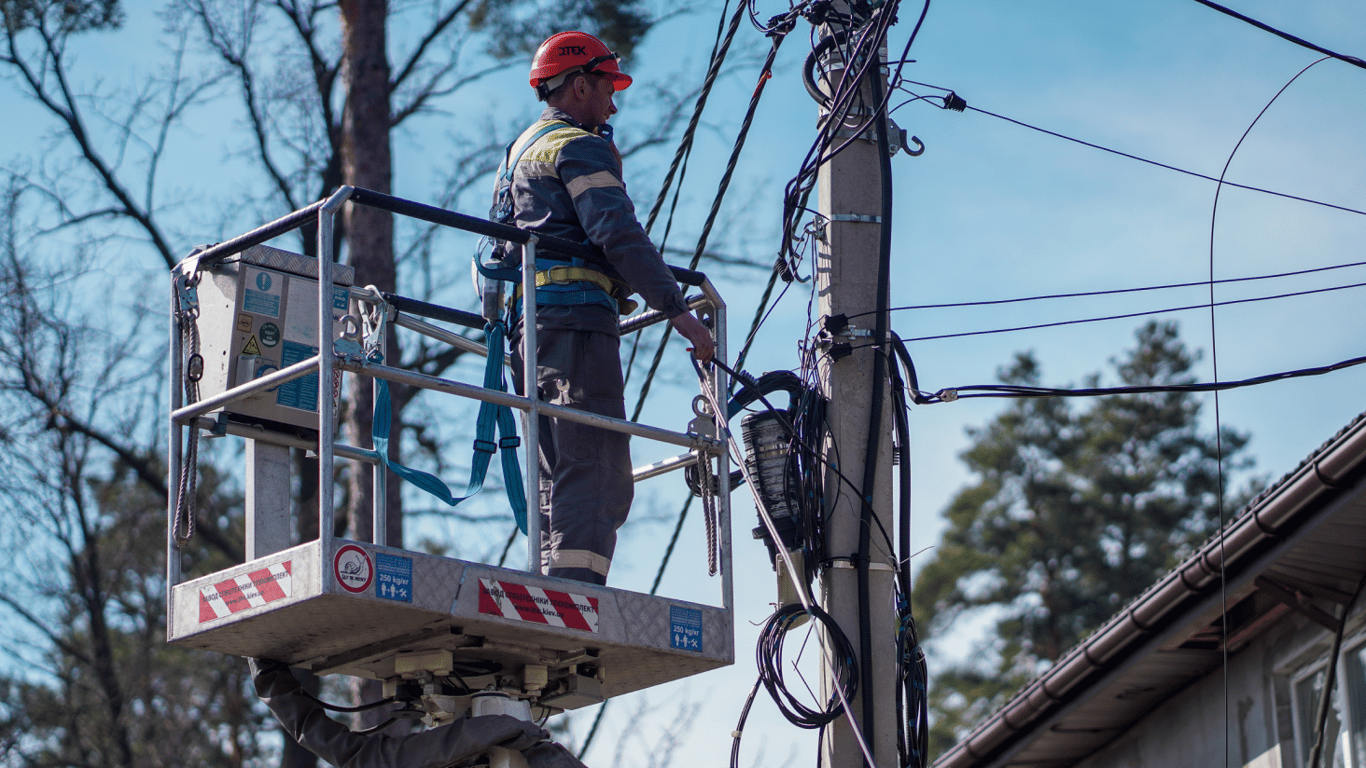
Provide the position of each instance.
(570, 51)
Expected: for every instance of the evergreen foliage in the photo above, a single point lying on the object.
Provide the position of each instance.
(1077, 507)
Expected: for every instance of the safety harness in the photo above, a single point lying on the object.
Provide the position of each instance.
(556, 283)
(490, 417)
(561, 280)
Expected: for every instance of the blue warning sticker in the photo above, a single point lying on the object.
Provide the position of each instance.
(262, 294)
(301, 393)
(685, 628)
(394, 577)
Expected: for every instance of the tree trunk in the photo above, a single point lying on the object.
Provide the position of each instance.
(369, 232)
(366, 163)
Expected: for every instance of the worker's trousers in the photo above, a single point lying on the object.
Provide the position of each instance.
(586, 486)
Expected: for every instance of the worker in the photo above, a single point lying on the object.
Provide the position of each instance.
(565, 180)
(456, 743)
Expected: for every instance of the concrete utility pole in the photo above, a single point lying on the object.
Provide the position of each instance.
(847, 281)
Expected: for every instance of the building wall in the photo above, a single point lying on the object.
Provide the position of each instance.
(1193, 729)
(1263, 719)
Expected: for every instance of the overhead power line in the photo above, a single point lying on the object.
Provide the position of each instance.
(953, 102)
(1127, 315)
(950, 394)
(1196, 174)
(1353, 60)
(1117, 291)
(1168, 167)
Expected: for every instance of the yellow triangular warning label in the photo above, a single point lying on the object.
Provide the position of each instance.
(251, 348)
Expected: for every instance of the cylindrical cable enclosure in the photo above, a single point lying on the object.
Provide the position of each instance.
(768, 456)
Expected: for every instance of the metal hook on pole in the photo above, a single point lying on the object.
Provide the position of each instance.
(919, 147)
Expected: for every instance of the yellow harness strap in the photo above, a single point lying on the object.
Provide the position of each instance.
(567, 274)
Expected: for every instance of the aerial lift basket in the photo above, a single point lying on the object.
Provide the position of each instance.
(335, 606)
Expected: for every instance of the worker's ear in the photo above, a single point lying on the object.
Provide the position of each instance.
(583, 86)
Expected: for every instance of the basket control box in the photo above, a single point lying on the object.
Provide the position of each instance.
(258, 314)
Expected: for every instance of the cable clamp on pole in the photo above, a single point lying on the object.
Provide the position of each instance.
(848, 564)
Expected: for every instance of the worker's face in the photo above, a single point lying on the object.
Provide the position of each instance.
(599, 105)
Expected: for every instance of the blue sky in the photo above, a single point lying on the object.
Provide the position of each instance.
(990, 211)
(994, 211)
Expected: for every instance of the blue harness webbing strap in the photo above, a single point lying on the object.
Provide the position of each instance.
(577, 292)
(491, 417)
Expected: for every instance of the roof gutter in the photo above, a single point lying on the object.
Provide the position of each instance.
(1265, 519)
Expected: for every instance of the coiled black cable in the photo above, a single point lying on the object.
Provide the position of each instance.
(769, 659)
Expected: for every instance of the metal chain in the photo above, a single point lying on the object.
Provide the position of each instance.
(707, 484)
(183, 524)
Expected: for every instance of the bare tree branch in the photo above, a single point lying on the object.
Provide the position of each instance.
(63, 105)
(415, 58)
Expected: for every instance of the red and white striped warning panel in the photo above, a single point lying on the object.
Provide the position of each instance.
(249, 590)
(536, 604)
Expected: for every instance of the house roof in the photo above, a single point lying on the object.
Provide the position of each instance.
(1300, 543)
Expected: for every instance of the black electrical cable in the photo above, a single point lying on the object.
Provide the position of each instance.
(954, 103)
(765, 73)
(911, 704)
(740, 726)
(835, 110)
(1218, 420)
(871, 451)
(1119, 291)
(811, 449)
(720, 47)
(1208, 178)
(950, 394)
(1144, 313)
(864, 52)
(1353, 60)
(769, 659)
(1325, 698)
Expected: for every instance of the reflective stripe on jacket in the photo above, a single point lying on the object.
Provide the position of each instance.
(567, 184)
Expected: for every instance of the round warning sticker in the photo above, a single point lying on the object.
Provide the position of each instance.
(270, 334)
(352, 568)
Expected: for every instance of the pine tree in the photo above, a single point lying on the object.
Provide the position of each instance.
(1076, 508)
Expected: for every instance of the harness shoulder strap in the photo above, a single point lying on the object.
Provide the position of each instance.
(533, 134)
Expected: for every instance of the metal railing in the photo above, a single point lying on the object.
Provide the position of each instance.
(329, 361)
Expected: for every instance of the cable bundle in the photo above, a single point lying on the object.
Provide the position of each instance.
(857, 41)
(769, 660)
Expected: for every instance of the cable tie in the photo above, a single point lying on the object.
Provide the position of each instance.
(735, 734)
(862, 218)
(947, 395)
